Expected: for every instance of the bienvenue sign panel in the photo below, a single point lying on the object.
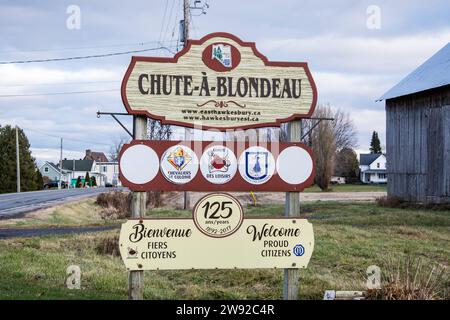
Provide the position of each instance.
(169, 244)
(219, 82)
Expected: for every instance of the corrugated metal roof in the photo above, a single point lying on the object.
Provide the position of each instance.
(433, 73)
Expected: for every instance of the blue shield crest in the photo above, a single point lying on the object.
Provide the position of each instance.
(256, 165)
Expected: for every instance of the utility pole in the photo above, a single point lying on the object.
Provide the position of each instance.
(187, 135)
(138, 207)
(17, 160)
(292, 209)
(60, 165)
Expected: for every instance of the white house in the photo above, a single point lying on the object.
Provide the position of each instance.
(108, 173)
(372, 168)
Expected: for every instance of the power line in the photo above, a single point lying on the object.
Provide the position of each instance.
(86, 57)
(85, 47)
(163, 21)
(59, 83)
(54, 93)
(65, 138)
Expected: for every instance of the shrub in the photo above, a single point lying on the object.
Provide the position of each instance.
(116, 205)
(154, 199)
(410, 278)
(108, 246)
(394, 202)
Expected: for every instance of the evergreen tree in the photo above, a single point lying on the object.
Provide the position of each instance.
(79, 184)
(347, 165)
(87, 180)
(29, 179)
(93, 182)
(39, 180)
(375, 145)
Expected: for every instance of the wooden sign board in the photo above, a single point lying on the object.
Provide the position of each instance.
(171, 244)
(146, 165)
(219, 82)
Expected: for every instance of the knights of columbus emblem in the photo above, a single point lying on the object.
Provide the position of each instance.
(222, 53)
(179, 158)
(256, 165)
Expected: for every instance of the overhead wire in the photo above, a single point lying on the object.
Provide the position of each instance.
(54, 93)
(84, 57)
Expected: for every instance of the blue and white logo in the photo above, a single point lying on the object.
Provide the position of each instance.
(299, 250)
(222, 53)
(256, 165)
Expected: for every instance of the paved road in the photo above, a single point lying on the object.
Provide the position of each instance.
(16, 204)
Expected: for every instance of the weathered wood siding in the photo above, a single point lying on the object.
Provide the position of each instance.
(418, 146)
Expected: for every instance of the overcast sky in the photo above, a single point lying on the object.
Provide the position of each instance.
(352, 64)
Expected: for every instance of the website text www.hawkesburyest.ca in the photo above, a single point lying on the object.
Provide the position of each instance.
(221, 115)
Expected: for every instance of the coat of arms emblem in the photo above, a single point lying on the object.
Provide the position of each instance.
(222, 53)
(256, 165)
(179, 158)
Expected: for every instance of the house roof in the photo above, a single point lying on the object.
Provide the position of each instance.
(97, 156)
(366, 159)
(433, 73)
(52, 165)
(80, 165)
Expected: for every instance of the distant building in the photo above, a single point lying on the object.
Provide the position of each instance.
(418, 132)
(108, 173)
(50, 170)
(97, 156)
(372, 168)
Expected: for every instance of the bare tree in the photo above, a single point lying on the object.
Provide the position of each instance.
(344, 130)
(323, 142)
(158, 131)
(115, 148)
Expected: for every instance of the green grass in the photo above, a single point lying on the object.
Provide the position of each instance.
(79, 213)
(349, 238)
(351, 188)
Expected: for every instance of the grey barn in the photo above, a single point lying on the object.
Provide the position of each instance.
(418, 133)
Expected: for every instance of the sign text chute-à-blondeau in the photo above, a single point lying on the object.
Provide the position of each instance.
(219, 82)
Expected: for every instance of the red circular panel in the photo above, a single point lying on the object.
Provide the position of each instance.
(215, 63)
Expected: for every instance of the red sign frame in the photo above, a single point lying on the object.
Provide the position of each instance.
(199, 183)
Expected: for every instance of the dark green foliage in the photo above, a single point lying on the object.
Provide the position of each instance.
(87, 180)
(29, 178)
(79, 183)
(93, 182)
(375, 145)
(39, 180)
(347, 165)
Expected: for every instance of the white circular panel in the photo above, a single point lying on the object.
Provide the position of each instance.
(294, 165)
(139, 164)
(179, 164)
(256, 165)
(218, 164)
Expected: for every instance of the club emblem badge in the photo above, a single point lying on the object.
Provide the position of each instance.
(256, 165)
(222, 53)
(218, 164)
(179, 158)
(179, 164)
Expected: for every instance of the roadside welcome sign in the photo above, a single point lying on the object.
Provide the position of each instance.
(218, 236)
(218, 82)
(221, 82)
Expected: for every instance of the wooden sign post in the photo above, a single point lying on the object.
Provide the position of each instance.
(292, 209)
(138, 207)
